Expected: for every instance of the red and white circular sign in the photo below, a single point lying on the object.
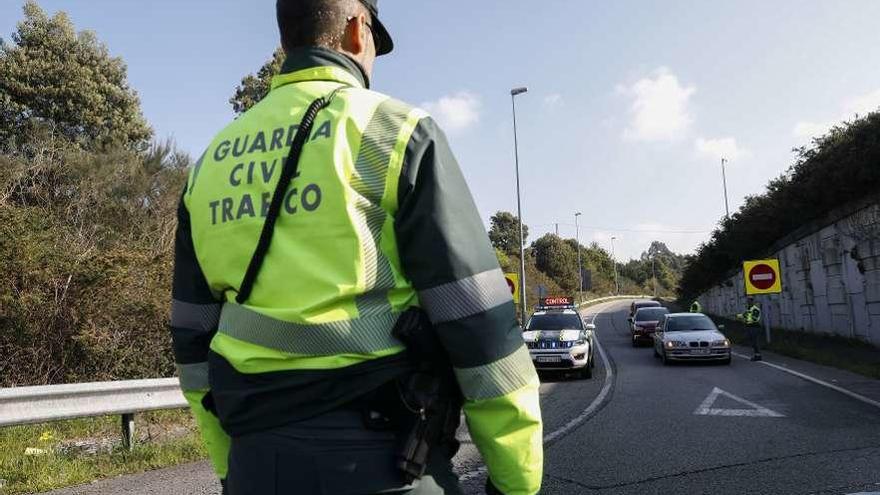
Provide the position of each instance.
(762, 276)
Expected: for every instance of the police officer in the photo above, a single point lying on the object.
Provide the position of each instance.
(752, 319)
(696, 307)
(308, 227)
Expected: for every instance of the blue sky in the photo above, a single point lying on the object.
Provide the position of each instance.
(631, 103)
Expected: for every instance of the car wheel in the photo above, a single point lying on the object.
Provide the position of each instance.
(587, 372)
(592, 361)
(728, 361)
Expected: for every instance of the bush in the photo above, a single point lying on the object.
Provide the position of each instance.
(86, 247)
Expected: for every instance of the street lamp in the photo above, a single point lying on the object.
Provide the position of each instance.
(577, 239)
(654, 273)
(724, 178)
(522, 249)
(614, 262)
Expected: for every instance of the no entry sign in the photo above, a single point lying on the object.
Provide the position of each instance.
(762, 277)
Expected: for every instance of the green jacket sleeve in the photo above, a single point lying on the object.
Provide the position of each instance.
(195, 314)
(446, 253)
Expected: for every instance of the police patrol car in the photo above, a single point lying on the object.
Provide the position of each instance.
(558, 339)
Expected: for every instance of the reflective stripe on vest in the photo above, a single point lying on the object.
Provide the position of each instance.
(331, 283)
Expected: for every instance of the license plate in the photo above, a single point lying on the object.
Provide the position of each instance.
(700, 352)
(548, 359)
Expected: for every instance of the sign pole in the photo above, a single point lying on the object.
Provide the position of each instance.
(765, 315)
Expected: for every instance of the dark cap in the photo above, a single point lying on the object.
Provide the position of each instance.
(384, 43)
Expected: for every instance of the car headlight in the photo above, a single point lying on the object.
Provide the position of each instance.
(670, 344)
(721, 343)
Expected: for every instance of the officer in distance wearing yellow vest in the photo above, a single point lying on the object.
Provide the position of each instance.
(311, 226)
(696, 307)
(752, 318)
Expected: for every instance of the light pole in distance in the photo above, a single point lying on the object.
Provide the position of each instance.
(577, 240)
(614, 262)
(522, 249)
(724, 179)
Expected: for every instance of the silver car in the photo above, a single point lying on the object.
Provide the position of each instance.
(690, 337)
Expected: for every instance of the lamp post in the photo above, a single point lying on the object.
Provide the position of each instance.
(577, 240)
(522, 250)
(614, 262)
(654, 274)
(724, 179)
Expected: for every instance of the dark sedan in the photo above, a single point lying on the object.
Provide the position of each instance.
(644, 323)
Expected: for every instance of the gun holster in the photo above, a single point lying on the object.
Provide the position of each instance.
(429, 394)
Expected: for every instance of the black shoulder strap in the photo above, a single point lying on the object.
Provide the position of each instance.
(288, 171)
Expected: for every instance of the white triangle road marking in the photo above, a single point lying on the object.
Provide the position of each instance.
(754, 410)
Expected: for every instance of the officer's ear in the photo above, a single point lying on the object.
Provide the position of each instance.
(356, 36)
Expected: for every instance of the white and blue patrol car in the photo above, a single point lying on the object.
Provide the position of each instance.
(558, 339)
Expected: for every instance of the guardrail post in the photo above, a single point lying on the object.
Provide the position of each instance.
(128, 431)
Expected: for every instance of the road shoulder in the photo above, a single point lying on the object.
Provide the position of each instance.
(846, 380)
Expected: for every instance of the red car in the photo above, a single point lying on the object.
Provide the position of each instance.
(644, 323)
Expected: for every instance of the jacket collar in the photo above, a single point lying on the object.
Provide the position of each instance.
(320, 64)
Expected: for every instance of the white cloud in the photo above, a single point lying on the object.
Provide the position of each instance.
(553, 99)
(660, 107)
(455, 112)
(720, 148)
(864, 104)
(811, 129)
(860, 105)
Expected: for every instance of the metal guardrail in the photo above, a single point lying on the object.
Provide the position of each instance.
(47, 403)
(612, 298)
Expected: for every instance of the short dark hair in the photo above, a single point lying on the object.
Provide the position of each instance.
(314, 22)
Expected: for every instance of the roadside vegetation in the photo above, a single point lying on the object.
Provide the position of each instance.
(38, 458)
(87, 219)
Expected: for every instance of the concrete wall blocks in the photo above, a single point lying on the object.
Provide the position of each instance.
(830, 279)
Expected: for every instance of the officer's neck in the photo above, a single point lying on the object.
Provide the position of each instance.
(315, 56)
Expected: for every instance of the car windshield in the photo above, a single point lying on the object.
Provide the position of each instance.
(651, 314)
(555, 321)
(689, 324)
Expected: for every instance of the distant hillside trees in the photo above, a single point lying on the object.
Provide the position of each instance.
(558, 259)
(551, 262)
(58, 82)
(838, 168)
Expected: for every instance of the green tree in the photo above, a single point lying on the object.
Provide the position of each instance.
(558, 259)
(255, 87)
(65, 84)
(504, 232)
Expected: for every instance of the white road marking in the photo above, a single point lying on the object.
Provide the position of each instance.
(580, 418)
(861, 398)
(754, 411)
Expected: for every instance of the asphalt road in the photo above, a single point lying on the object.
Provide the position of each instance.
(635, 428)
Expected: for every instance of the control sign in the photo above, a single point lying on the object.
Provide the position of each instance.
(561, 301)
(513, 283)
(762, 277)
